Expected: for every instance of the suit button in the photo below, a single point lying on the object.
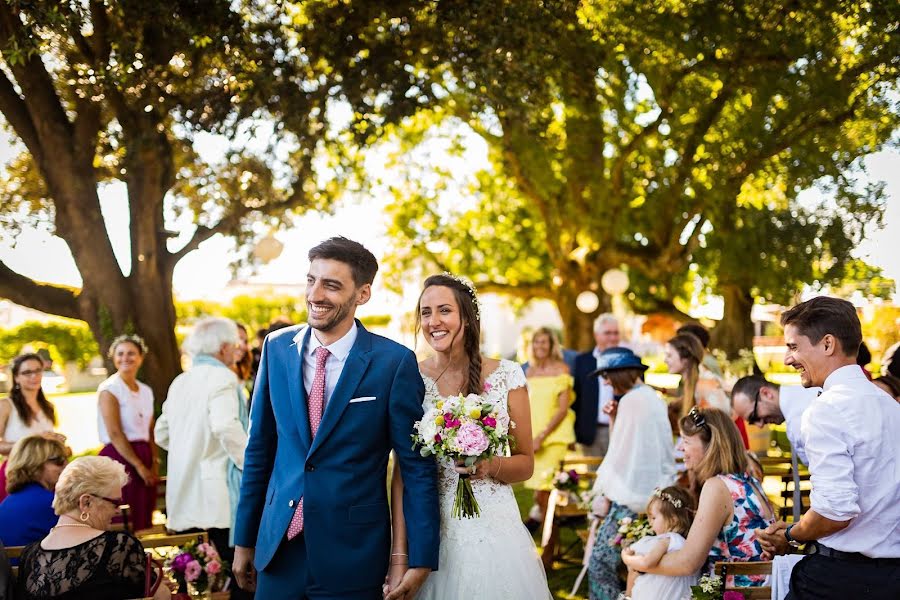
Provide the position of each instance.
(310, 467)
(291, 503)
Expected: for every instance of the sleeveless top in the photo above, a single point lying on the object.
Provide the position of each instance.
(135, 409)
(736, 541)
(543, 394)
(16, 428)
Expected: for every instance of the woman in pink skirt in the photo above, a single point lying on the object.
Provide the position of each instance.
(125, 425)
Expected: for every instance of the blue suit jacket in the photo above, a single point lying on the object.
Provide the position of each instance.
(341, 474)
(587, 398)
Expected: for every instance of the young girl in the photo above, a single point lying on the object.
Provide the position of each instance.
(670, 512)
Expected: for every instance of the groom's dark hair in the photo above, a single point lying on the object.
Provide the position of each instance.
(363, 264)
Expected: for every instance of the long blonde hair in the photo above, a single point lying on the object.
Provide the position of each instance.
(720, 436)
(690, 349)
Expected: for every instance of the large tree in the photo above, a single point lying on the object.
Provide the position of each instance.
(102, 91)
(620, 134)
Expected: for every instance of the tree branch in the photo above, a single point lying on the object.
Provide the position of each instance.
(16, 112)
(525, 291)
(51, 299)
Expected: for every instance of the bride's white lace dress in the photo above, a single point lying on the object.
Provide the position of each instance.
(492, 556)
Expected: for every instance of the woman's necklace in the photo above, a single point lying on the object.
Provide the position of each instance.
(441, 374)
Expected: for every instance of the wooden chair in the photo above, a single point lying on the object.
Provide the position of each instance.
(561, 513)
(168, 540)
(14, 552)
(762, 567)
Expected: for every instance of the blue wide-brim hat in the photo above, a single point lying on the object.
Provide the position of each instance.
(614, 359)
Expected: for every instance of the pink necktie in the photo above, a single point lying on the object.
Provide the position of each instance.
(315, 404)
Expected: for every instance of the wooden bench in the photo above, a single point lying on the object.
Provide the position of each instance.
(759, 567)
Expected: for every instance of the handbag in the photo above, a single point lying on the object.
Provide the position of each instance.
(151, 585)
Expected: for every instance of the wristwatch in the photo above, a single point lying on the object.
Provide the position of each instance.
(790, 540)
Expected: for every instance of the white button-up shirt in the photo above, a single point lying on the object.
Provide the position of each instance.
(852, 438)
(604, 396)
(334, 366)
(794, 400)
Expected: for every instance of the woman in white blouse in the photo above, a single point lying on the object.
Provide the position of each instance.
(26, 411)
(125, 425)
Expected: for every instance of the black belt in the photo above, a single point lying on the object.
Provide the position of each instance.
(855, 557)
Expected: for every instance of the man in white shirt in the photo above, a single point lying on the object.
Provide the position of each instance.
(761, 402)
(591, 393)
(850, 437)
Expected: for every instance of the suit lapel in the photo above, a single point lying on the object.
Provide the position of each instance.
(297, 389)
(354, 369)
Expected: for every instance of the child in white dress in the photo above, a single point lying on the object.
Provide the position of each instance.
(671, 512)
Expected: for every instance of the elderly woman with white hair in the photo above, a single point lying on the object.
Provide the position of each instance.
(81, 557)
(203, 427)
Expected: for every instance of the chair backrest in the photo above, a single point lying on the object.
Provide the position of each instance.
(156, 540)
(758, 567)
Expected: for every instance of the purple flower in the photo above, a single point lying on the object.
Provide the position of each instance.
(181, 561)
(472, 440)
(192, 571)
(733, 596)
(489, 422)
(437, 438)
(487, 386)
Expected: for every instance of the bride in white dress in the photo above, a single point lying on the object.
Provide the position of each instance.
(491, 556)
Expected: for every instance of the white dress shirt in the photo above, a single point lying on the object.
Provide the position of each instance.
(135, 409)
(334, 366)
(604, 396)
(794, 400)
(851, 437)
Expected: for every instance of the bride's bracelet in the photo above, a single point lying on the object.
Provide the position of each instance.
(499, 466)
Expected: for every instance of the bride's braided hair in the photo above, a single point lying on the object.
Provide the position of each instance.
(470, 314)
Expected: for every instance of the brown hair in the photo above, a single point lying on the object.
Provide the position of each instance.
(244, 367)
(27, 458)
(690, 349)
(724, 447)
(678, 518)
(18, 398)
(471, 325)
(823, 315)
(555, 347)
(623, 380)
(363, 264)
(890, 382)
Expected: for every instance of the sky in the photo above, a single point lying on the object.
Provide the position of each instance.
(205, 272)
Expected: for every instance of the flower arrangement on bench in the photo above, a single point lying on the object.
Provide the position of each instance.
(199, 568)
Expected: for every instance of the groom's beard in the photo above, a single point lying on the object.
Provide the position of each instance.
(335, 315)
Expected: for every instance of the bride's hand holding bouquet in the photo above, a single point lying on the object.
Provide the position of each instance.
(470, 432)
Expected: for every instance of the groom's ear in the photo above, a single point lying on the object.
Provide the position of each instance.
(363, 294)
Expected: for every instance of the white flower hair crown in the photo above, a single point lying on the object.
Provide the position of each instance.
(676, 502)
(470, 287)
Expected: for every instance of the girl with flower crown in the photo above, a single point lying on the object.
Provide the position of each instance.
(671, 512)
(492, 555)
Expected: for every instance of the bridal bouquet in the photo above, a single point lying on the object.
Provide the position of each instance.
(463, 428)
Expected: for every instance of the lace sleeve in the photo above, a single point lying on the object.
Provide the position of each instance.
(127, 559)
(515, 377)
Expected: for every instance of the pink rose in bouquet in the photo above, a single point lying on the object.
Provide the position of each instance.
(199, 564)
(192, 571)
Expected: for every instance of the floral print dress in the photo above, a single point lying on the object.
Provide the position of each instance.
(736, 541)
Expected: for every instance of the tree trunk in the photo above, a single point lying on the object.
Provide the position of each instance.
(735, 330)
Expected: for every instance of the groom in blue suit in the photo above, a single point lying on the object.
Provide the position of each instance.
(331, 401)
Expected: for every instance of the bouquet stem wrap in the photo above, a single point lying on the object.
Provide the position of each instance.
(465, 506)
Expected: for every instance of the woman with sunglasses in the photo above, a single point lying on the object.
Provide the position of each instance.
(732, 503)
(639, 460)
(81, 558)
(26, 514)
(26, 411)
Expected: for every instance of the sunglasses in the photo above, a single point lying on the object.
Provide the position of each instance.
(698, 419)
(59, 461)
(754, 417)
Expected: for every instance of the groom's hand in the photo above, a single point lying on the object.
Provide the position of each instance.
(243, 568)
(409, 585)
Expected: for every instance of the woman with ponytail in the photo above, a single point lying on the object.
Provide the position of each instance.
(493, 555)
